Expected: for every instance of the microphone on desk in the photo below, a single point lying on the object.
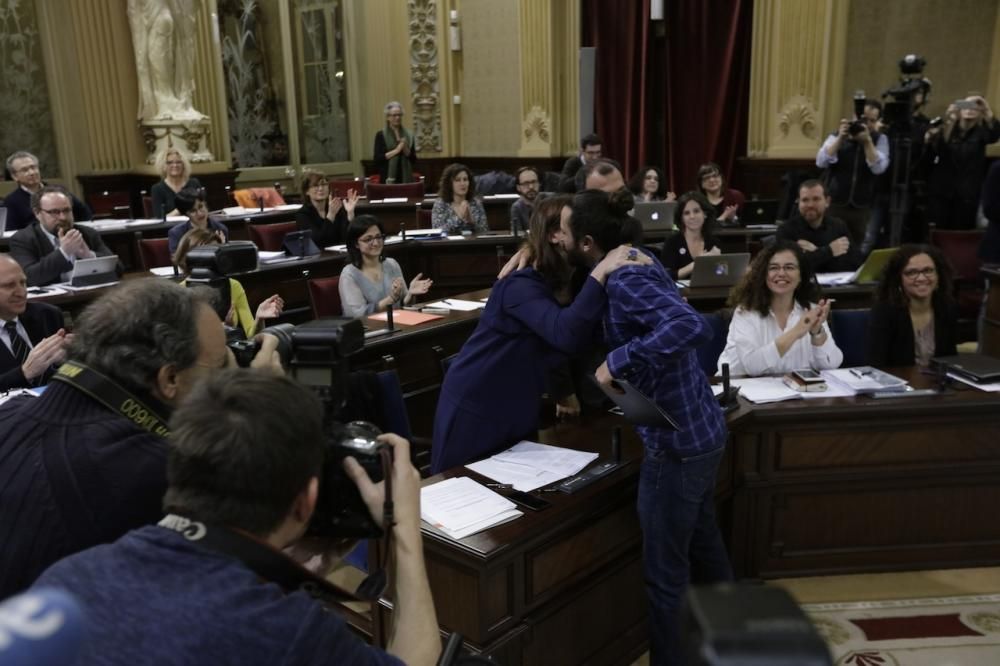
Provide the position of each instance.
(41, 626)
(388, 318)
(616, 445)
(728, 398)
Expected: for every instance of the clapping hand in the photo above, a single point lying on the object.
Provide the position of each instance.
(397, 289)
(728, 214)
(420, 285)
(350, 203)
(333, 206)
(272, 307)
(46, 353)
(72, 242)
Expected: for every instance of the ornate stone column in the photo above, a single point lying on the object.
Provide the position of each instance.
(424, 75)
(796, 75)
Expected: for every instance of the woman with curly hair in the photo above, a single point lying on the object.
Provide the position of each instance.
(648, 184)
(914, 316)
(457, 209)
(777, 325)
(694, 219)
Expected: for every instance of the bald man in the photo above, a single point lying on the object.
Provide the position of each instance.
(32, 339)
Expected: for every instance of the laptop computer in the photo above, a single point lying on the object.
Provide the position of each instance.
(3, 220)
(759, 211)
(720, 270)
(655, 215)
(91, 272)
(299, 244)
(978, 368)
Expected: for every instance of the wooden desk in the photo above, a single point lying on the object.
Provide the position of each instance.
(851, 485)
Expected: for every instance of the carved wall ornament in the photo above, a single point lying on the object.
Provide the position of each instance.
(536, 124)
(424, 89)
(799, 111)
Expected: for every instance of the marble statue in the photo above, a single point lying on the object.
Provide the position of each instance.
(163, 36)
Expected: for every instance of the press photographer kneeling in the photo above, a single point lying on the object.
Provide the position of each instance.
(246, 462)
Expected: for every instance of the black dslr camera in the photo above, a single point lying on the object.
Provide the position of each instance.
(315, 354)
(858, 125)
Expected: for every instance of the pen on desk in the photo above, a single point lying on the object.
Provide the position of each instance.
(499, 486)
(446, 301)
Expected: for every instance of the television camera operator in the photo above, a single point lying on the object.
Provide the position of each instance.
(209, 584)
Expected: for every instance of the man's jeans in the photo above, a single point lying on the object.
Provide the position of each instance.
(681, 540)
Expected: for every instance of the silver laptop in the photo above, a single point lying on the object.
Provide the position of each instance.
(720, 270)
(655, 215)
(3, 220)
(90, 272)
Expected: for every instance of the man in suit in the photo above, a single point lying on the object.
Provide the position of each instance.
(23, 168)
(49, 246)
(590, 151)
(32, 333)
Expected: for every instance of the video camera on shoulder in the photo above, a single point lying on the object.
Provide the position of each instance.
(316, 354)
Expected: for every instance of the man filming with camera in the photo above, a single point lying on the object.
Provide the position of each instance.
(853, 156)
(209, 584)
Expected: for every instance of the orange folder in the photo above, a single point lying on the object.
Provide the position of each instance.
(407, 317)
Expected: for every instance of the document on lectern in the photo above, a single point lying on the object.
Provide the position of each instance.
(460, 507)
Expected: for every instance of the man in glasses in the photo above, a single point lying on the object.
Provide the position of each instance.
(23, 168)
(49, 246)
(528, 189)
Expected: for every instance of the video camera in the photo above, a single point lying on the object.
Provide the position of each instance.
(900, 105)
(316, 355)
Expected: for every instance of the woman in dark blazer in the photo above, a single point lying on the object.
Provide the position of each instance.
(914, 316)
(323, 213)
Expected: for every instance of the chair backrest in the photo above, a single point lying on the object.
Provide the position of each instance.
(251, 198)
(147, 206)
(110, 204)
(268, 237)
(154, 252)
(709, 353)
(850, 332)
(340, 187)
(395, 191)
(425, 218)
(324, 294)
(393, 405)
(961, 248)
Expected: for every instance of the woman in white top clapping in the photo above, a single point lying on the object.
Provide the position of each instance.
(777, 326)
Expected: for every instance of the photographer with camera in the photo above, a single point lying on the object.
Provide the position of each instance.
(86, 462)
(209, 583)
(853, 156)
(958, 154)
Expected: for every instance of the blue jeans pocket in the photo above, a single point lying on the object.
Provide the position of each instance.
(698, 475)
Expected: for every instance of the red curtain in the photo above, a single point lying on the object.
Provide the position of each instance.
(674, 94)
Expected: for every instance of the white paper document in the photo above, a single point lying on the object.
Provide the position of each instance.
(457, 304)
(992, 388)
(761, 390)
(265, 257)
(38, 292)
(831, 279)
(528, 465)
(460, 507)
(162, 271)
(864, 378)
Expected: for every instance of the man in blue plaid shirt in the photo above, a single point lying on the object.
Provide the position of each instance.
(653, 333)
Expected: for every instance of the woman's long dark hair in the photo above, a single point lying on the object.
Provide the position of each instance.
(708, 228)
(752, 293)
(890, 287)
(356, 230)
(547, 259)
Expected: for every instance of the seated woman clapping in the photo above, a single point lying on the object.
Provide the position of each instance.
(371, 282)
(239, 315)
(777, 326)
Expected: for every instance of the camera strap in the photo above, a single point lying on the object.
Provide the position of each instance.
(114, 397)
(261, 558)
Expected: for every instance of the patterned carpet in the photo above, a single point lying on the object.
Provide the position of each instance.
(935, 631)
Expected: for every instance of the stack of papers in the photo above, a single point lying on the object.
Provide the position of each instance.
(460, 507)
(762, 390)
(528, 466)
(265, 258)
(38, 292)
(457, 304)
(864, 378)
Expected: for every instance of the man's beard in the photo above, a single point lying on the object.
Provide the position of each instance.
(576, 257)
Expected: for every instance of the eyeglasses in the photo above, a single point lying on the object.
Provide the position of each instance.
(914, 273)
(786, 268)
(371, 240)
(27, 169)
(57, 211)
